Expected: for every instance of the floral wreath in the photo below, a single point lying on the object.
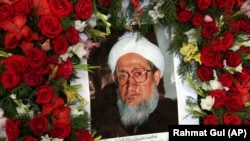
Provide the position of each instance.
(42, 43)
(212, 41)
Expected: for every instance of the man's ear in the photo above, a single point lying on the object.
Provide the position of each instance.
(157, 77)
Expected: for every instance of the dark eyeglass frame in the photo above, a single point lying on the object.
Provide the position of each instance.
(132, 75)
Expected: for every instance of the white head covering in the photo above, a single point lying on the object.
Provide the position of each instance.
(132, 43)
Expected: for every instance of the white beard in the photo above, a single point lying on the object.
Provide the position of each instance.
(137, 115)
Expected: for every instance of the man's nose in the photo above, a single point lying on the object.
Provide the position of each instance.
(131, 81)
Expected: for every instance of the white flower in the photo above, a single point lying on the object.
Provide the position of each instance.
(76, 110)
(80, 25)
(92, 20)
(191, 34)
(13, 96)
(207, 103)
(79, 50)
(206, 87)
(24, 109)
(215, 84)
(66, 55)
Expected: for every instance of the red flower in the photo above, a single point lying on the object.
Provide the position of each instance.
(203, 5)
(10, 79)
(44, 94)
(65, 70)
(231, 119)
(13, 129)
(226, 79)
(209, 29)
(72, 35)
(39, 124)
(23, 7)
(50, 26)
(184, 16)
(16, 63)
(60, 8)
(83, 135)
(61, 115)
(210, 56)
(233, 59)
(205, 73)
(48, 108)
(60, 131)
(30, 138)
(219, 96)
(234, 103)
(60, 45)
(211, 120)
(83, 9)
(32, 77)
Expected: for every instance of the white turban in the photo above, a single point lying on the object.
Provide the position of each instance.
(132, 43)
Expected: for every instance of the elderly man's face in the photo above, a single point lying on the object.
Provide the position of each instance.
(132, 92)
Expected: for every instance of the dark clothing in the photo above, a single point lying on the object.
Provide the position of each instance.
(106, 118)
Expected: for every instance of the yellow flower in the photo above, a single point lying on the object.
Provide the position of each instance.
(71, 92)
(190, 52)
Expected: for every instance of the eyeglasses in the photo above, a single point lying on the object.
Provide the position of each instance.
(139, 75)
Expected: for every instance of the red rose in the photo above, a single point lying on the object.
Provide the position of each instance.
(32, 78)
(12, 129)
(105, 3)
(226, 79)
(225, 4)
(203, 5)
(184, 16)
(83, 135)
(23, 7)
(219, 97)
(6, 12)
(197, 19)
(60, 8)
(83, 9)
(16, 63)
(44, 94)
(231, 119)
(60, 131)
(244, 49)
(205, 73)
(72, 35)
(48, 108)
(233, 59)
(65, 70)
(245, 25)
(247, 122)
(10, 41)
(234, 103)
(211, 120)
(50, 26)
(30, 138)
(39, 124)
(10, 79)
(210, 56)
(209, 29)
(244, 77)
(225, 42)
(234, 26)
(60, 45)
(61, 115)
(35, 57)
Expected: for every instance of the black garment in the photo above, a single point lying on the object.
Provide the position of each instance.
(106, 118)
